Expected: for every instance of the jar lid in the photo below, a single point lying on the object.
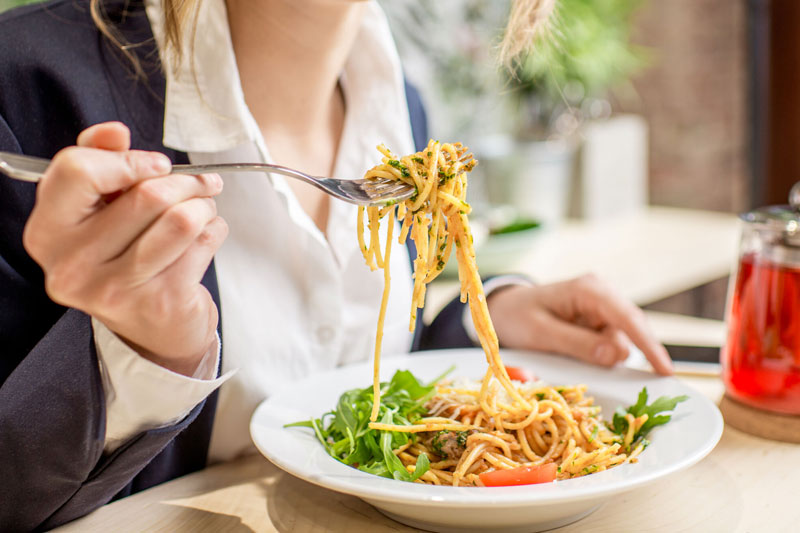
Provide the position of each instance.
(778, 217)
(782, 220)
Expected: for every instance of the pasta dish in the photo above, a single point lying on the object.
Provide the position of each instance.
(505, 429)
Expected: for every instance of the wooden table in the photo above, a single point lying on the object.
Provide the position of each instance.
(746, 484)
(646, 256)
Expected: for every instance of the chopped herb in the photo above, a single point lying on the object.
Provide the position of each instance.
(594, 433)
(540, 396)
(417, 159)
(399, 166)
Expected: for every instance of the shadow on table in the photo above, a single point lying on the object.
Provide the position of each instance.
(703, 498)
(295, 505)
(193, 518)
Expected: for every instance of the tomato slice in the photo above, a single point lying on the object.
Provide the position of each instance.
(524, 475)
(519, 374)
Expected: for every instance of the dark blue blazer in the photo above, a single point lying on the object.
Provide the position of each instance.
(59, 75)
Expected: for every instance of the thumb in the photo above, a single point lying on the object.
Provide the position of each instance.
(113, 136)
(605, 347)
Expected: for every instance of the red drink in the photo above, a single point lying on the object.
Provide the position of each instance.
(761, 359)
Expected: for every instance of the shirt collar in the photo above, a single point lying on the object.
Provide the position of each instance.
(205, 109)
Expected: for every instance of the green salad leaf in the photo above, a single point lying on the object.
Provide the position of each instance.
(345, 432)
(654, 417)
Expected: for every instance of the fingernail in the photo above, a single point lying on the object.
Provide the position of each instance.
(603, 354)
(161, 163)
(216, 179)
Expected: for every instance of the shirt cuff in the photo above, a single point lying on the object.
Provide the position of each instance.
(488, 288)
(141, 395)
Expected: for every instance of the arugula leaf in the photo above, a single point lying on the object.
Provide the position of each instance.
(346, 435)
(662, 404)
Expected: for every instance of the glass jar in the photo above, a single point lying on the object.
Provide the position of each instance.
(761, 356)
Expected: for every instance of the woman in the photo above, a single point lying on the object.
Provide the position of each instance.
(113, 271)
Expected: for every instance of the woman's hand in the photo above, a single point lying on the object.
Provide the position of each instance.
(582, 318)
(122, 240)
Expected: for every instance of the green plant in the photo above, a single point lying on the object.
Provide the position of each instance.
(8, 4)
(586, 54)
(449, 48)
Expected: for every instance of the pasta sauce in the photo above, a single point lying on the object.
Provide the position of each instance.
(762, 354)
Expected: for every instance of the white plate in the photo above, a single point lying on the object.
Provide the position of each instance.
(695, 429)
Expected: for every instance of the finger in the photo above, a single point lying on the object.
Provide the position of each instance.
(113, 136)
(167, 239)
(115, 227)
(192, 265)
(588, 345)
(636, 328)
(620, 342)
(79, 177)
(624, 315)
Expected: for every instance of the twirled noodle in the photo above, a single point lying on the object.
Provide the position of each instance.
(502, 425)
(571, 434)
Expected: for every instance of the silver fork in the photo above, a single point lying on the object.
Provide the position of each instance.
(360, 192)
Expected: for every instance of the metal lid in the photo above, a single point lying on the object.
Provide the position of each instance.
(782, 220)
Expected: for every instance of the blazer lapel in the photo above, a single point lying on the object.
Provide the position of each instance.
(140, 105)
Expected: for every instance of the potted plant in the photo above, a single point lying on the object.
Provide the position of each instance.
(560, 87)
(521, 122)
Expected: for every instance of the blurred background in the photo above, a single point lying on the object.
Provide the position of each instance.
(625, 104)
(662, 87)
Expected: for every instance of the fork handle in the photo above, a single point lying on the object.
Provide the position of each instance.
(242, 167)
(30, 168)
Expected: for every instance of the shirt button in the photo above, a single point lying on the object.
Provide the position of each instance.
(325, 334)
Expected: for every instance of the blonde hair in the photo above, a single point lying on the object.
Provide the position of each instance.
(178, 15)
(527, 20)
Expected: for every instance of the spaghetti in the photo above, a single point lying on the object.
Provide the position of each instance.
(495, 425)
(563, 426)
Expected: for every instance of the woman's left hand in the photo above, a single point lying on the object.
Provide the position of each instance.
(582, 318)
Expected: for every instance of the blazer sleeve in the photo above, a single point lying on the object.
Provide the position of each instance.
(447, 329)
(52, 402)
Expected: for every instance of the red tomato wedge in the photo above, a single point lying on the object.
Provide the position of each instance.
(519, 374)
(524, 475)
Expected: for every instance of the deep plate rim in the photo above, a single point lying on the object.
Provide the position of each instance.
(374, 488)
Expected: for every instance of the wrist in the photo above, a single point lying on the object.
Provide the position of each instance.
(504, 300)
(186, 365)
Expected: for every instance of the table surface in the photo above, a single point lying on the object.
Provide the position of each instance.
(746, 484)
(646, 255)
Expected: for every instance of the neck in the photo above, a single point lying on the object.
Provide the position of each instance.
(290, 54)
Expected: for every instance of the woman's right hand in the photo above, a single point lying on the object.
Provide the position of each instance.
(122, 239)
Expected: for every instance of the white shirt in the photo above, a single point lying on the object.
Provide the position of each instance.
(293, 302)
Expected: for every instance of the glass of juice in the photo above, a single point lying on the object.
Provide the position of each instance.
(761, 356)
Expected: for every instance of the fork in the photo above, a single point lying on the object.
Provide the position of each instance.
(360, 192)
